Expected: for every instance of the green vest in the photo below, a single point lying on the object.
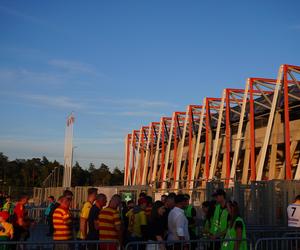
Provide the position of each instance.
(219, 221)
(8, 206)
(188, 211)
(231, 235)
(188, 214)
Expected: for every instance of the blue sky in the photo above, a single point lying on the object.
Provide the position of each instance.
(122, 64)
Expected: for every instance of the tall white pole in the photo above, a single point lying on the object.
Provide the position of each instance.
(68, 155)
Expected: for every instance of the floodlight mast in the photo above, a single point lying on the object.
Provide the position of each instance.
(68, 154)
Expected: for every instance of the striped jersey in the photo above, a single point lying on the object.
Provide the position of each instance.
(62, 224)
(109, 218)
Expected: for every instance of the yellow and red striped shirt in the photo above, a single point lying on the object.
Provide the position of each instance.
(109, 218)
(62, 224)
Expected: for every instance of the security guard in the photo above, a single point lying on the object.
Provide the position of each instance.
(236, 231)
(220, 217)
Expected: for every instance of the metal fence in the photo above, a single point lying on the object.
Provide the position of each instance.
(61, 245)
(260, 203)
(202, 244)
(282, 243)
(37, 214)
(274, 243)
(263, 202)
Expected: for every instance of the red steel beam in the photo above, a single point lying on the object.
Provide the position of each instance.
(227, 137)
(175, 148)
(127, 157)
(288, 170)
(252, 133)
(207, 160)
(190, 113)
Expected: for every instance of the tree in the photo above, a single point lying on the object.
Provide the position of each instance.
(80, 177)
(117, 177)
(33, 172)
(100, 176)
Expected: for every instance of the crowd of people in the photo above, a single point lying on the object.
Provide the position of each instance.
(14, 220)
(172, 218)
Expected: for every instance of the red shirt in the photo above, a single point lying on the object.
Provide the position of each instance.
(19, 212)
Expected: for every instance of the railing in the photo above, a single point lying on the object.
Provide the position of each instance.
(202, 244)
(257, 232)
(63, 245)
(37, 214)
(281, 243)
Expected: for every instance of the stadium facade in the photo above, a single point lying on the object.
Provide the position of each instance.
(246, 135)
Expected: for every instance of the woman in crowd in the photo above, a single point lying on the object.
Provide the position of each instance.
(156, 229)
(236, 231)
(208, 208)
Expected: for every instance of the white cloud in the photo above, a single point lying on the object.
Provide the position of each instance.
(27, 77)
(98, 141)
(140, 113)
(55, 101)
(137, 103)
(75, 67)
(46, 100)
(96, 113)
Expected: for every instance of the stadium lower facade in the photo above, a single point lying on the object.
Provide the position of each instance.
(245, 135)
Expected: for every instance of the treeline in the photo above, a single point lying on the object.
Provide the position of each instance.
(33, 172)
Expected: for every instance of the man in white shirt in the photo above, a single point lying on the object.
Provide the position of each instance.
(293, 212)
(177, 222)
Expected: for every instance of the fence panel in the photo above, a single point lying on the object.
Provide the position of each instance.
(280, 243)
(202, 244)
(61, 245)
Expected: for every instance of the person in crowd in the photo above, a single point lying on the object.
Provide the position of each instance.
(130, 205)
(93, 218)
(21, 222)
(293, 212)
(50, 216)
(156, 230)
(8, 206)
(208, 208)
(62, 223)
(124, 210)
(110, 226)
(236, 231)
(163, 198)
(177, 222)
(48, 210)
(190, 213)
(220, 217)
(169, 205)
(137, 221)
(68, 194)
(2, 199)
(149, 207)
(142, 195)
(6, 228)
(84, 214)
